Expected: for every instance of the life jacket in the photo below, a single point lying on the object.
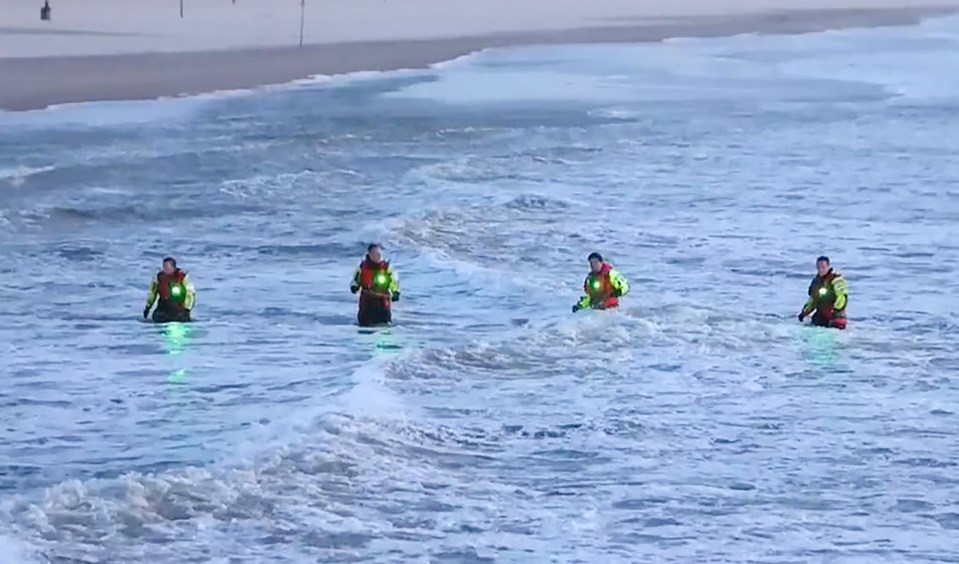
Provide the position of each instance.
(165, 288)
(375, 279)
(822, 293)
(599, 287)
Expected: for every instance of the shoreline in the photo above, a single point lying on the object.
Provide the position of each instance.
(35, 83)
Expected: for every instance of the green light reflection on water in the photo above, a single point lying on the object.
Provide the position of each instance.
(176, 338)
(820, 346)
(385, 342)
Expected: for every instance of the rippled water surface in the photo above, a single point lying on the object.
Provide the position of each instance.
(699, 423)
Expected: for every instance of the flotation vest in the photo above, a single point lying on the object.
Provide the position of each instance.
(375, 277)
(170, 288)
(822, 293)
(599, 287)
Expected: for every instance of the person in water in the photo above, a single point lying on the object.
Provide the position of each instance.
(379, 287)
(603, 286)
(173, 292)
(827, 297)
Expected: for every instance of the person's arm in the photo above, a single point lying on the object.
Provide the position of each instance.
(619, 283)
(810, 304)
(355, 283)
(840, 290)
(585, 301)
(151, 297)
(190, 299)
(394, 289)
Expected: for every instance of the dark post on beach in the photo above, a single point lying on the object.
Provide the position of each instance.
(45, 11)
(302, 11)
(181, 8)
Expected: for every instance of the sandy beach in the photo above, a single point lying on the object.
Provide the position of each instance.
(104, 50)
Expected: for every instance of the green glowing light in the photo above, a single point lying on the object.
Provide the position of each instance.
(823, 291)
(381, 280)
(176, 290)
(597, 284)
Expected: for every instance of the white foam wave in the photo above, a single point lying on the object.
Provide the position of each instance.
(327, 487)
(913, 61)
(340, 80)
(14, 551)
(170, 108)
(17, 176)
(264, 185)
(443, 234)
(370, 397)
(705, 68)
(461, 61)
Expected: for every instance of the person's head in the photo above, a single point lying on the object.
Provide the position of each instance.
(595, 262)
(169, 265)
(822, 265)
(375, 252)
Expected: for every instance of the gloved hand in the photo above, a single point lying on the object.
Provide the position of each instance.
(146, 312)
(396, 296)
(354, 289)
(576, 308)
(617, 292)
(801, 316)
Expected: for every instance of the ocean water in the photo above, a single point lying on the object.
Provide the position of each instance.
(700, 423)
